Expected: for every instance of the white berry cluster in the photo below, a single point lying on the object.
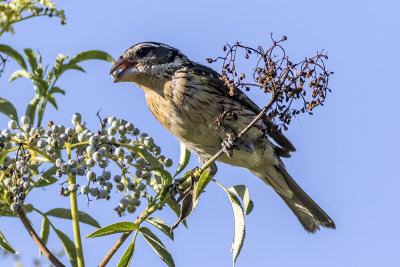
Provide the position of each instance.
(81, 157)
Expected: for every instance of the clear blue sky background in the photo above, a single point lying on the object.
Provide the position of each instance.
(346, 155)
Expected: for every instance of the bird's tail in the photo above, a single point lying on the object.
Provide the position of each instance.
(310, 215)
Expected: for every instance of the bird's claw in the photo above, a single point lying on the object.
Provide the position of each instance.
(175, 190)
(228, 145)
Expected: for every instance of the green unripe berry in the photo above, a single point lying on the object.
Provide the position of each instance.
(111, 131)
(72, 187)
(120, 186)
(76, 118)
(129, 127)
(97, 156)
(85, 189)
(94, 191)
(91, 176)
(168, 162)
(12, 124)
(103, 193)
(119, 152)
(25, 120)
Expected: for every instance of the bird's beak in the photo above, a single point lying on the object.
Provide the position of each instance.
(124, 70)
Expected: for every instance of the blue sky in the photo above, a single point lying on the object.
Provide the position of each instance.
(346, 153)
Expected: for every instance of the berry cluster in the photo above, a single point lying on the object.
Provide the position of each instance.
(78, 152)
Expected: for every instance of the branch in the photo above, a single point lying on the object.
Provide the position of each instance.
(146, 213)
(37, 239)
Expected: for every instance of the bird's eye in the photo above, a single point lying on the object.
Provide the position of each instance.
(142, 52)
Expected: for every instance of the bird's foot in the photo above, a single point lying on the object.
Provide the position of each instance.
(174, 187)
(229, 144)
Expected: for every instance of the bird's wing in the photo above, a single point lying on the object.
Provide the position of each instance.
(213, 78)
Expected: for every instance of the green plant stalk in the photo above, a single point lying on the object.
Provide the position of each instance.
(143, 216)
(75, 217)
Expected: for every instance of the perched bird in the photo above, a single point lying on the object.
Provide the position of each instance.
(191, 101)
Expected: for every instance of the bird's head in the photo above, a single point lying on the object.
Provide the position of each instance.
(148, 61)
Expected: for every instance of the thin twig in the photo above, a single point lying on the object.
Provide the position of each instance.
(37, 240)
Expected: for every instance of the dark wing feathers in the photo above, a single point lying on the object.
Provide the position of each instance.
(213, 78)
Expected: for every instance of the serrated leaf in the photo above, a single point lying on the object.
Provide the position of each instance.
(52, 101)
(183, 159)
(5, 211)
(161, 173)
(127, 257)
(157, 246)
(58, 66)
(5, 49)
(243, 192)
(44, 232)
(31, 58)
(56, 89)
(161, 225)
(204, 179)
(69, 247)
(18, 74)
(31, 109)
(5, 245)
(45, 181)
(2, 158)
(240, 230)
(8, 109)
(66, 214)
(50, 171)
(120, 227)
(76, 67)
(91, 54)
(154, 163)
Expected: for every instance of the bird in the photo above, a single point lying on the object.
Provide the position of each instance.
(192, 102)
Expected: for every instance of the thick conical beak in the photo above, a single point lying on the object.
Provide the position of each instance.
(122, 69)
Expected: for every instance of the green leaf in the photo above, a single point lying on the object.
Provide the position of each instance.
(5, 211)
(44, 232)
(127, 257)
(8, 109)
(120, 227)
(161, 225)
(157, 246)
(69, 247)
(2, 158)
(154, 163)
(183, 159)
(240, 231)
(66, 214)
(243, 192)
(58, 66)
(5, 245)
(50, 171)
(31, 109)
(91, 54)
(56, 89)
(45, 181)
(31, 58)
(18, 74)
(204, 179)
(52, 101)
(13, 54)
(76, 67)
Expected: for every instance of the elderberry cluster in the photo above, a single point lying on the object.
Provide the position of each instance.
(81, 161)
